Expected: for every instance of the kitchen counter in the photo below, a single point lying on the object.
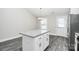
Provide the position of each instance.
(34, 33)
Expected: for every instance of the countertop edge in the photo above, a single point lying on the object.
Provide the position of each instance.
(33, 36)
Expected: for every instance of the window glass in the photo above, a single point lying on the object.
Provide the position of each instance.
(60, 22)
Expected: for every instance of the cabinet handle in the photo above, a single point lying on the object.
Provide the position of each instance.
(47, 34)
(40, 45)
(47, 39)
(40, 38)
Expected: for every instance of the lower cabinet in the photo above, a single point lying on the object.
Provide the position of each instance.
(39, 43)
(46, 40)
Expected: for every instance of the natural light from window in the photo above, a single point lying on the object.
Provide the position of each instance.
(60, 22)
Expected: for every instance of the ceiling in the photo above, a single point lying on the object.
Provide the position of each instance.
(42, 12)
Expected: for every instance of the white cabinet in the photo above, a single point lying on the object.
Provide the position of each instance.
(45, 40)
(38, 43)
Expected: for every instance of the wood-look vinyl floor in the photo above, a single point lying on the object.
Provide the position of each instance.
(57, 43)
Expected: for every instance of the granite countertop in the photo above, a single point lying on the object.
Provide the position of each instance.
(34, 33)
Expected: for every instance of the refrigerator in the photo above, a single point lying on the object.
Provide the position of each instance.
(74, 28)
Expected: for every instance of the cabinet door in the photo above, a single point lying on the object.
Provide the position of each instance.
(46, 40)
(41, 42)
(38, 44)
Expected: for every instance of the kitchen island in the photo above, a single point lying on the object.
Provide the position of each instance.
(35, 40)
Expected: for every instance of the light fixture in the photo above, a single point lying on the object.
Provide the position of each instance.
(40, 8)
(40, 12)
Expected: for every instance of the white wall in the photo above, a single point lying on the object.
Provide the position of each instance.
(51, 23)
(52, 26)
(15, 20)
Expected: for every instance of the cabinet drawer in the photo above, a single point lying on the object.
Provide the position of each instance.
(39, 38)
(46, 36)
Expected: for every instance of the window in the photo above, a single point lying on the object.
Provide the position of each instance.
(61, 22)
